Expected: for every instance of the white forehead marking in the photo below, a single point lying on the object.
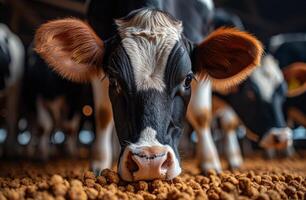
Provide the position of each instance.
(148, 39)
(267, 77)
(147, 138)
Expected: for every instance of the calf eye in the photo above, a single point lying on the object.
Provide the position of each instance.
(188, 80)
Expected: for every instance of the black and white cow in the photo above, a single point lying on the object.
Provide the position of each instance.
(11, 72)
(148, 67)
(259, 100)
(53, 106)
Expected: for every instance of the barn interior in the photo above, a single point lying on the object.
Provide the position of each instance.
(257, 126)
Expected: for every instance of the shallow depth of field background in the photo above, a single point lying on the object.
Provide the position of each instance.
(65, 179)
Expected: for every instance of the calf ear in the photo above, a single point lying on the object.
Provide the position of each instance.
(227, 56)
(71, 48)
(295, 76)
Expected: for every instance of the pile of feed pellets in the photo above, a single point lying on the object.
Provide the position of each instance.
(257, 179)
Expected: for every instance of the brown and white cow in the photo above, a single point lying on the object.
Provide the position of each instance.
(143, 81)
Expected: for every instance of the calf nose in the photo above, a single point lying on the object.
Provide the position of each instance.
(277, 138)
(148, 163)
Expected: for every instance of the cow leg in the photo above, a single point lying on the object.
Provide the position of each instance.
(199, 116)
(12, 119)
(72, 127)
(46, 124)
(270, 153)
(229, 124)
(289, 151)
(30, 149)
(102, 148)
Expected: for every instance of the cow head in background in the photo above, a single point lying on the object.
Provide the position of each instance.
(150, 66)
(259, 100)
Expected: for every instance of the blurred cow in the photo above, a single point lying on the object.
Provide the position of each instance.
(149, 65)
(259, 100)
(54, 106)
(11, 72)
(290, 51)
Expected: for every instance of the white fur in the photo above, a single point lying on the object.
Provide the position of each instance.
(232, 148)
(102, 145)
(227, 115)
(267, 77)
(201, 97)
(148, 40)
(206, 151)
(147, 138)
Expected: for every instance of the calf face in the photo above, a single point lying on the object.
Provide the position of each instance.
(150, 66)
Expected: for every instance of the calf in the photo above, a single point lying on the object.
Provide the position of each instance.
(11, 72)
(149, 65)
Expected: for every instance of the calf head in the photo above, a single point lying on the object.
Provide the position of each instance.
(150, 66)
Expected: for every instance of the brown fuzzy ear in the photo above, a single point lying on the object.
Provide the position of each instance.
(227, 56)
(71, 48)
(295, 76)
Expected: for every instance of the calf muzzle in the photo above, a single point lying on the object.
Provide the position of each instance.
(148, 163)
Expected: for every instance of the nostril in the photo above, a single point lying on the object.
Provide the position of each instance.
(131, 164)
(277, 139)
(168, 162)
